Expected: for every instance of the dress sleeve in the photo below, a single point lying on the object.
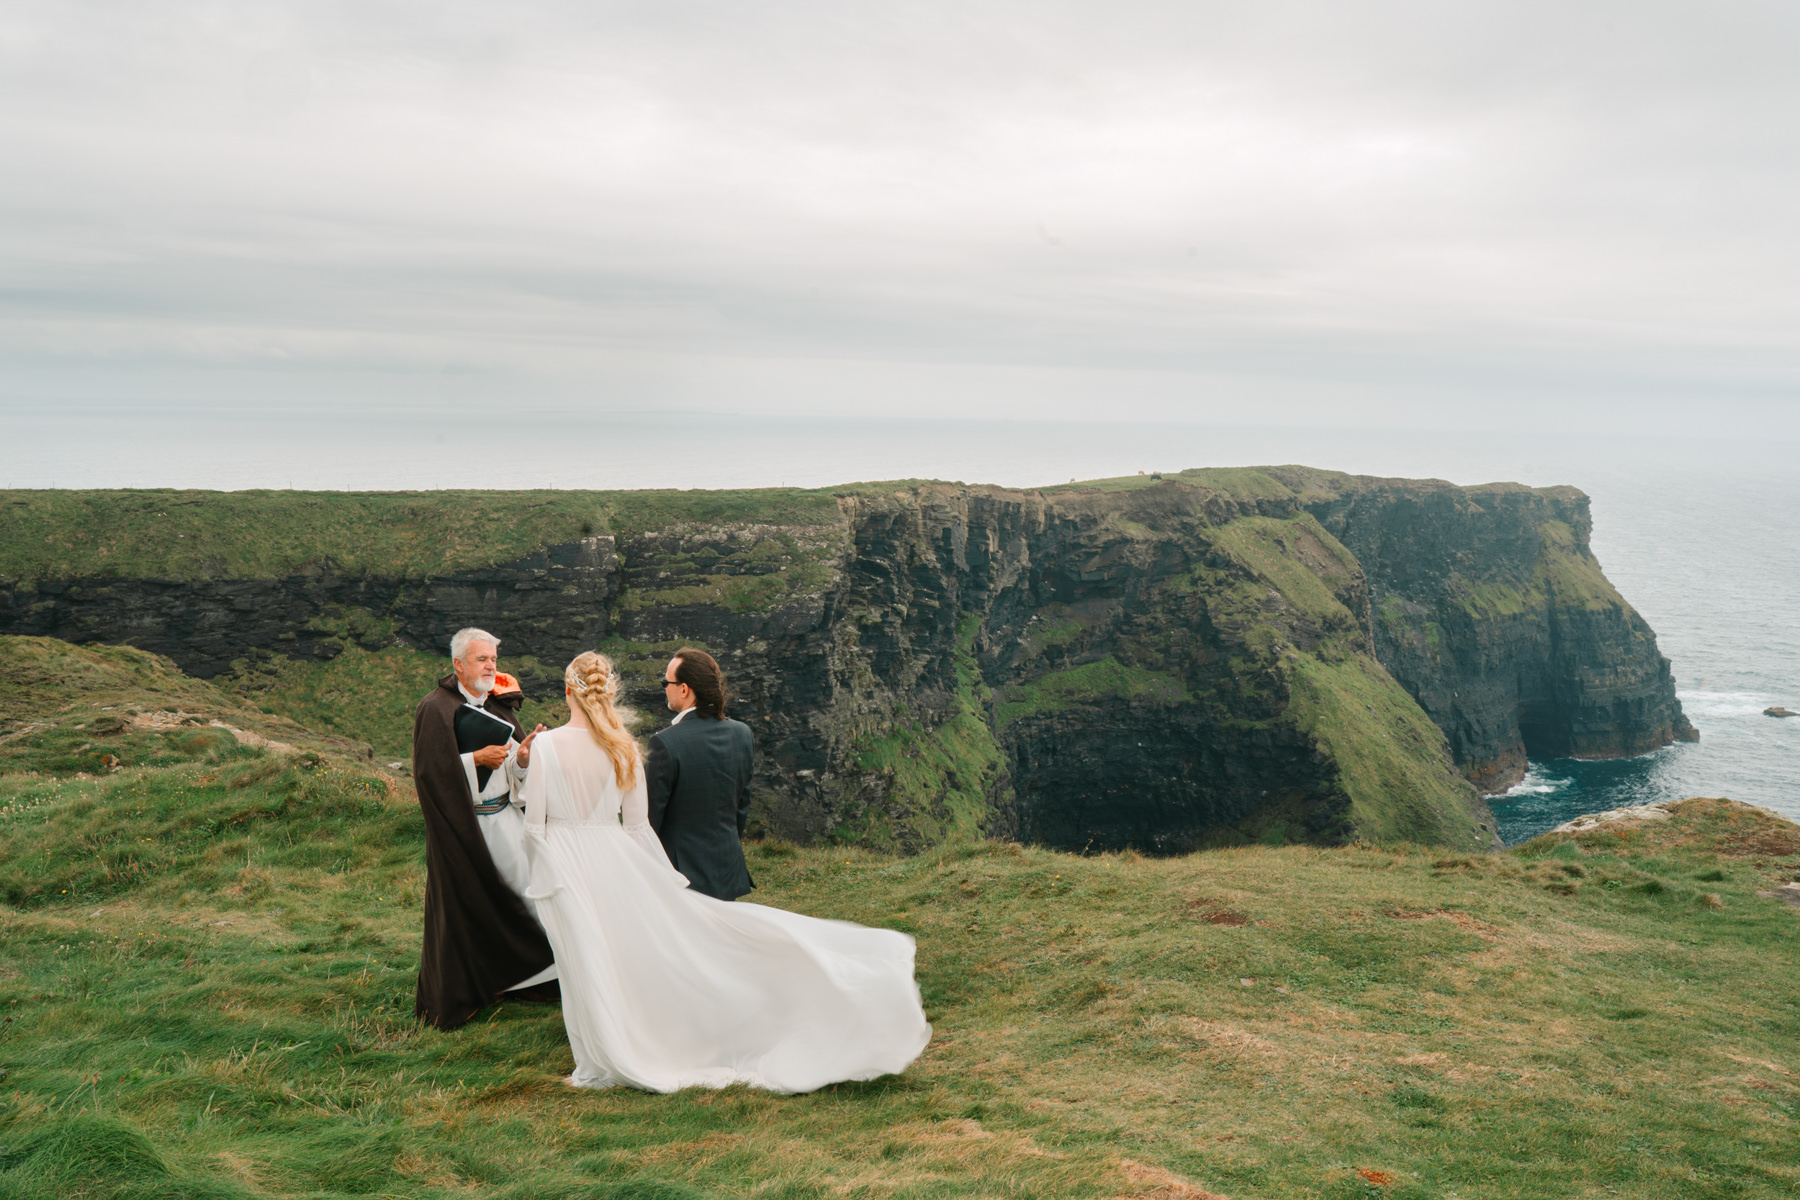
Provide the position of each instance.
(634, 807)
(531, 799)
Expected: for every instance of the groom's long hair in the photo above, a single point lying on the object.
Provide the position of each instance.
(700, 671)
(594, 686)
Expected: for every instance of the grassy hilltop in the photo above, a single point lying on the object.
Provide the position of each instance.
(168, 533)
(207, 958)
(165, 533)
(259, 533)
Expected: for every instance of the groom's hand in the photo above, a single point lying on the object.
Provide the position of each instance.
(525, 746)
(489, 756)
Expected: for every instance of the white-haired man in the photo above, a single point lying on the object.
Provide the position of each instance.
(470, 755)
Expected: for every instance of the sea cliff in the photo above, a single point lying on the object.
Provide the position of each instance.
(1211, 658)
(1492, 612)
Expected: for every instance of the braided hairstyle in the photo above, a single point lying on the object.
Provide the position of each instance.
(593, 686)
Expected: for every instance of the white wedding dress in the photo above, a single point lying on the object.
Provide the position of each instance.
(664, 988)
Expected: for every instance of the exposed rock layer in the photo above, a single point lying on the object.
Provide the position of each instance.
(1202, 660)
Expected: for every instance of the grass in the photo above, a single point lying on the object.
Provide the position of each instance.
(233, 1019)
(372, 693)
(167, 534)
(264, 534)
(74, 710)
(206, 975)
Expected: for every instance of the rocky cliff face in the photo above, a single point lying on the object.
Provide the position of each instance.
(1161, 664)
(1494, 615)
(557, 597)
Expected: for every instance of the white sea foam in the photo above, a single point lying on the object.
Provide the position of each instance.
(1537, 782)
(1724, 704)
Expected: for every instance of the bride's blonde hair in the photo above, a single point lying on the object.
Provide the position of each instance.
(593, 684)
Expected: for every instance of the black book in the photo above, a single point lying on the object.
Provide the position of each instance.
(477, 729)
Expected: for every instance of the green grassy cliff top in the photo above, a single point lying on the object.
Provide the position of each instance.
(64, 534)
(267, 534)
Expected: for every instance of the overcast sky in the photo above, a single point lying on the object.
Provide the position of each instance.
(1552, 215)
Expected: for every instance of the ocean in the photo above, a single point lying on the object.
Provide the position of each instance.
(1702, 536)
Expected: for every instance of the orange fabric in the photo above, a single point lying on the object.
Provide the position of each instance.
(505, 683)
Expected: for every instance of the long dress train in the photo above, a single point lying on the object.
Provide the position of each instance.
(664, 988)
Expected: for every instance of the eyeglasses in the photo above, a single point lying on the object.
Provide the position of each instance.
(673, 683)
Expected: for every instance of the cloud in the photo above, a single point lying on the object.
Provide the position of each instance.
(1401, 211)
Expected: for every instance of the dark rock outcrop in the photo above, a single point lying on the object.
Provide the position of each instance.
(1169, 664)
(1492, 612)
(556, 598)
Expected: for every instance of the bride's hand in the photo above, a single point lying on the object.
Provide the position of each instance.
(525, 746)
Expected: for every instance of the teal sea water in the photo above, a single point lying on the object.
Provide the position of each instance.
(1702, 536)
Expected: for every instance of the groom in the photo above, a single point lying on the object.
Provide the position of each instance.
(699, 779)
(470, 754)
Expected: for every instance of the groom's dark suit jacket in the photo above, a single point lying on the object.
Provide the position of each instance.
(699, 782)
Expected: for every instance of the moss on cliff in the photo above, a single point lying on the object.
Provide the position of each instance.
(1571, 574)
(1295, 558)
(941, 780)
(735, 593)
(1286, 603)
(1481, 601)
(1055, 691)
(1564, 575)
(1392, 762)
(740, 568)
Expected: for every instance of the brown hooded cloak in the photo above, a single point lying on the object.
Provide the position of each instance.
(479, 937)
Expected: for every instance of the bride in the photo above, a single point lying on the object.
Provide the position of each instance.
(664, 988)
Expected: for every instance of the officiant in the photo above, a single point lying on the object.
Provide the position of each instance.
(470, 755)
